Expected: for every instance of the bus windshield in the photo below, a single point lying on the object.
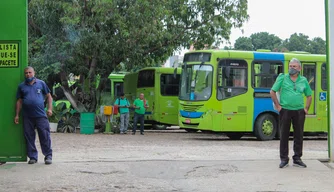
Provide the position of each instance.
(196, 82)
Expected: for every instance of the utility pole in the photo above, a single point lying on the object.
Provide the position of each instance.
(329, 10)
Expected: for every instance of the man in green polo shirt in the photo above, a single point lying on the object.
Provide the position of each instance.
(140, 105)
(123, 105)
(292, 88)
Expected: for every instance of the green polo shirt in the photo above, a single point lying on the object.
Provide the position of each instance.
(140, 103)
(122, 102)
(292, 93)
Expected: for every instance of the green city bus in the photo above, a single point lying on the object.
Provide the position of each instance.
(161, 89)
(228, 91)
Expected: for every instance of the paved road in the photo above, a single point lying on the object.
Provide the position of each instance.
(170, 160)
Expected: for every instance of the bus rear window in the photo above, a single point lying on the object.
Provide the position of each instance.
(146, 78)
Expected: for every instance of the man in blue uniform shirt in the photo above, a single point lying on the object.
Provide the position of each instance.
(30, 96)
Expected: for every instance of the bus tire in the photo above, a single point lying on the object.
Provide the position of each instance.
(191, 130)
(234, 136)
(159, 126)
(265, 127)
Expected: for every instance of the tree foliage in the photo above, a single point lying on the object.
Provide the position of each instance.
(244, 43)
(264, 40)
(296, 42)
(94, 37)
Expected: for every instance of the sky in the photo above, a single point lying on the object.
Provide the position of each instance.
(283, 18)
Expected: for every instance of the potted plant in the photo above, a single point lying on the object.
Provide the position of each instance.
(53, 120)
(56, 116)
(69, 121)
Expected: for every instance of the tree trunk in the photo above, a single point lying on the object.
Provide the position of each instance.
(77, 105)
(68, 93)
(92, 84)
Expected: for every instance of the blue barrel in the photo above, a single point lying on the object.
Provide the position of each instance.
(87, 123)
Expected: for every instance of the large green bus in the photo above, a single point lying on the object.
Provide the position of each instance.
(161, 89)
(228, 91)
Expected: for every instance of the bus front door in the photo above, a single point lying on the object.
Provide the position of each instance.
(309, 71)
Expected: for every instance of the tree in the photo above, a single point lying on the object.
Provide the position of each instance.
(243, 43)
(264, 40)
(298, 42)
(318, 46)
(94, 37)
(228, 47)
(261, 40)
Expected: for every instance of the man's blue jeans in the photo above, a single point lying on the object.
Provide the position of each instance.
(124, 117)
(136, 118)
(43, 129)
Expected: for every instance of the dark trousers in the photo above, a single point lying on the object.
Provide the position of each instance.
(297, 118)
(139, 117)
(43, 129)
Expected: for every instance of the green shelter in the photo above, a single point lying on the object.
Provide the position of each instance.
(13, 60)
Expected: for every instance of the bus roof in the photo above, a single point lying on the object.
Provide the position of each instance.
(302, 56)
(169, 70)
(117, 75)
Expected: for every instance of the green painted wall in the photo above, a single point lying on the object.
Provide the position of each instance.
(13, 59)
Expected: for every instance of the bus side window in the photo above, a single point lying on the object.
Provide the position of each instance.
(233, 78)
(323, 77)
(279, 69)
(220, 77)
(220, 89)
(309, 72)
(169, 85)
(118, 89)
(265, 73)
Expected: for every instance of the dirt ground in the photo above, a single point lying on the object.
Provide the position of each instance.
(170, 160)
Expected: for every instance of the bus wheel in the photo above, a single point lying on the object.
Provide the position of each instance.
(191, 130)
(159, 127)
(234, 136)
(265, 127)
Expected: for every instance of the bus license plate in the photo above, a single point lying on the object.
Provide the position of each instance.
(187, 120)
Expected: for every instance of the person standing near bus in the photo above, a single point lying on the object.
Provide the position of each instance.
(140, 105)
(30, 96)
(292, 88)
(123, 104)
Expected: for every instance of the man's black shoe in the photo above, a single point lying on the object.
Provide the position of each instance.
(299, 163)
(283, 164)
(133, 133)
(142, 133)
(48, 161)
(32, 161)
